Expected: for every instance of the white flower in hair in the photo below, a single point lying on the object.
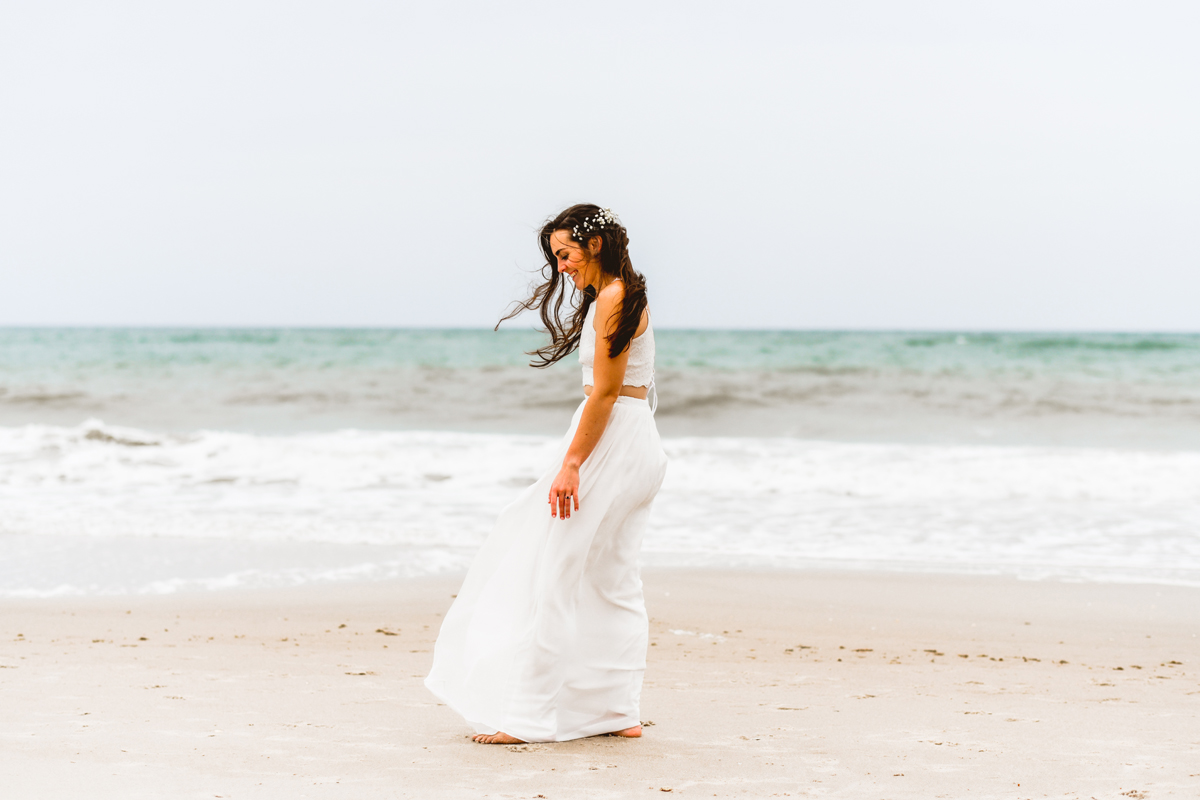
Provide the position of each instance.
(603, 217)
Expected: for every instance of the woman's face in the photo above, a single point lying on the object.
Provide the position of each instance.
(573, 260)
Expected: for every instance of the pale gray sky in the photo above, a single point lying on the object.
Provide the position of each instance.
(1019, 165)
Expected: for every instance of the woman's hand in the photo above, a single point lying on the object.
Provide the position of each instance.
(564, 491)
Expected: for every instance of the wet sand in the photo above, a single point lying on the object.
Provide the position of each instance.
(759, 684)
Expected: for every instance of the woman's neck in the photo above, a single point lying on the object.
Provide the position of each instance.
(601, 281)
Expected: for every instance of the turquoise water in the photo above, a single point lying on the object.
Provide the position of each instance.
(135, 460)
(1076, 388)
(25, 351)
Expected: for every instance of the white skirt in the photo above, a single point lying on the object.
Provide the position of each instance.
(547, 638)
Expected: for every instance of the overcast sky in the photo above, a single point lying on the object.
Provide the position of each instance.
(963, 165)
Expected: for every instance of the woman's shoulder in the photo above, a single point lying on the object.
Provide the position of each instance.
(610, 298)
(613, 293)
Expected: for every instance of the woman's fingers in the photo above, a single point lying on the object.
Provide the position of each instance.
(561, 500)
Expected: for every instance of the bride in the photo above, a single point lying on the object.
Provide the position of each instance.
(546, 641)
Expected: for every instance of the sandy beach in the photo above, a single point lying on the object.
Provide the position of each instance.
(759, 684)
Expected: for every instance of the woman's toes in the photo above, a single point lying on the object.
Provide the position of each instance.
(500, 737)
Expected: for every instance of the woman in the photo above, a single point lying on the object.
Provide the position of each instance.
(547, 639)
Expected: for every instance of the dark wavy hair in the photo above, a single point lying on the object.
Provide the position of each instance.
(549, 297)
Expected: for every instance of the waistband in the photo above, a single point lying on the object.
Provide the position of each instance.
(622, 400)
(633, 401)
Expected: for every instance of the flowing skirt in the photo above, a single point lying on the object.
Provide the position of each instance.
(547, 638)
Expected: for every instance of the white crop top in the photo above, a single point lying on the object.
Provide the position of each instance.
(640, 370)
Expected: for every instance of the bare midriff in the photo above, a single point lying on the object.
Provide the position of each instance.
(639, 392)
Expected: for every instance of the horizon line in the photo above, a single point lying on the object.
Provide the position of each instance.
(679, 329)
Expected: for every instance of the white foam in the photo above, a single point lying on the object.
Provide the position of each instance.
(100, 509)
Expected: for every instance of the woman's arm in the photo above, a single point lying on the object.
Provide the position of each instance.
(608, 375)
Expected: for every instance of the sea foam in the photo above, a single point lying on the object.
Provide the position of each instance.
(100, 509)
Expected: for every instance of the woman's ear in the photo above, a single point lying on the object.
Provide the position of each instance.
(594, 244)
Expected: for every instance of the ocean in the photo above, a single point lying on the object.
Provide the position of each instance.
(155, 460)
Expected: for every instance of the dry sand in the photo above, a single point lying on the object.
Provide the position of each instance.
(765, 684)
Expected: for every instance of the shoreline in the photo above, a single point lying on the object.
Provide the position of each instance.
(759, 683)
(658, 563)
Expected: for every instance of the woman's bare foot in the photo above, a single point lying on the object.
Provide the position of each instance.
(497, 738)
(629, 733)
